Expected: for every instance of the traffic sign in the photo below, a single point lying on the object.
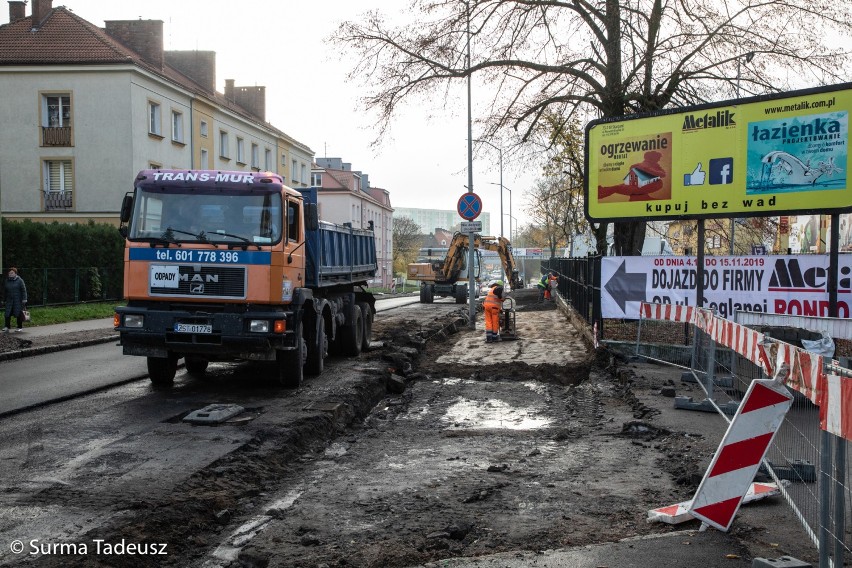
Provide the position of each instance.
(471, 227)
(469, 206)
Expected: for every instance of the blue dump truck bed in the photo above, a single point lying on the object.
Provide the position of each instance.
(337, 254)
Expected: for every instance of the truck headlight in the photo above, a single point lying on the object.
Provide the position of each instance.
(259, 326)
(134, 320)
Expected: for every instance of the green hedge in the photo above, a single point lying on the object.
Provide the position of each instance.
(65, 263)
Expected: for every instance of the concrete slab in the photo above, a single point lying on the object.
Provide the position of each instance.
(213, 414)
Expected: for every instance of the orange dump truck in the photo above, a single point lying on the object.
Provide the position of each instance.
(225, 266)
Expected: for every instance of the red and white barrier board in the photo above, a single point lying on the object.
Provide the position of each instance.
(738, 458)
(679, 513)
(835, 409)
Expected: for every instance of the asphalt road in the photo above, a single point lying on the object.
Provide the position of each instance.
(57, 376)
(35, 380)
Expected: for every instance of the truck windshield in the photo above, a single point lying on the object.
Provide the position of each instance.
(207, 215)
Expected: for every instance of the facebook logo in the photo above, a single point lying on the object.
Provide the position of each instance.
(721, 171)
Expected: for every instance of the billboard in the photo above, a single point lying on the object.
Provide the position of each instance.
(745, 158)
(791, 284)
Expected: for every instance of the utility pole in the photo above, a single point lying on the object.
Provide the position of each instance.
(470, 244)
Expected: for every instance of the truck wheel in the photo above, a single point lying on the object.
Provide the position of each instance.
(367, 316)
(195, 366)
(427, 294)
(352, 335)
(288, 364)
(461, 298)
(161, 370)
(317, 349)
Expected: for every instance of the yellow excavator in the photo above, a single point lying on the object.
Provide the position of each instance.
(450, 276)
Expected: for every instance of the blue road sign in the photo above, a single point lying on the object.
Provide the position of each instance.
(470, 206)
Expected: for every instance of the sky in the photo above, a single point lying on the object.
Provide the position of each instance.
(283, 46)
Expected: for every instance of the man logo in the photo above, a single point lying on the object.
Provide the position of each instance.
(196, 289)
(721, 171)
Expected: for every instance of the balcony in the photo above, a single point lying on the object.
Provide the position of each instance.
(56, 135)
(58, 201)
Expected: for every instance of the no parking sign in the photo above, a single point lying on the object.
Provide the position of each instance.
(469, 206)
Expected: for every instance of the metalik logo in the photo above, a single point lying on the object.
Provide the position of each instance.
(700, 122)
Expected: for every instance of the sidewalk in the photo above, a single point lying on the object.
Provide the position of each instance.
(68, 327)
(38, 340)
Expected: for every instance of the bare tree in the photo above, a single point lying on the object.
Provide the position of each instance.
(564, 175)
(406, 241)
(549, 209)
(595, 58)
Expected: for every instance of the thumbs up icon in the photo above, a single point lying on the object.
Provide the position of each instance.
(696, 177)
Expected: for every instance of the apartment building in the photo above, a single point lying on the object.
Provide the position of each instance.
(85, 108)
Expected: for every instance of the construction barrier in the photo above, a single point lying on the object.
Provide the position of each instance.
(738, 458)
(808, 454)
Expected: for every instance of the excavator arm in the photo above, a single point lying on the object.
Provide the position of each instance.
(504, 250)
(448, 270)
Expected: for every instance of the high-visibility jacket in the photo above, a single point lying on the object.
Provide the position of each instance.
(543, 282)
(492, 300)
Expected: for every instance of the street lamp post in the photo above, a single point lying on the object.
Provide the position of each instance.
(500, 153)
(502, 187)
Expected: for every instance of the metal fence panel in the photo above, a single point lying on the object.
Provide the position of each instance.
(56, 286)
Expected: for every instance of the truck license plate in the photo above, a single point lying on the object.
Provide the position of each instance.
(193, 328)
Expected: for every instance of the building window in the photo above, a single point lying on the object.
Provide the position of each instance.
(177, 127)
(154, 119)
(267, 160)
(56, 120)
(204, 159)
(283, 160)
(154, 165)
(224, 151)
(294, 170)
(203, 128)
(304, 176)
(255, 156)
(56, 110)
(58, 185)
(316, 179)
(241, 151)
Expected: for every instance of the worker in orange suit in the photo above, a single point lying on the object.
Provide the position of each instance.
(493, 305)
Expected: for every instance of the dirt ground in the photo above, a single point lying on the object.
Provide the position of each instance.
(476, 448)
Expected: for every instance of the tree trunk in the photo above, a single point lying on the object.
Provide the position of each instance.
(629, 236)
(600, 238)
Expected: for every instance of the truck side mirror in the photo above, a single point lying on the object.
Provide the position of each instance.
(126, 208)
(311, 217)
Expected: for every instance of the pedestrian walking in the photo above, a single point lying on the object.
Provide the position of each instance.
(493, 305)
(15, 298)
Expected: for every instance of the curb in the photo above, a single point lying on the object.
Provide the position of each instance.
(32, 351)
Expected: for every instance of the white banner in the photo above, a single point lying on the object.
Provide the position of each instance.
(795, 285)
